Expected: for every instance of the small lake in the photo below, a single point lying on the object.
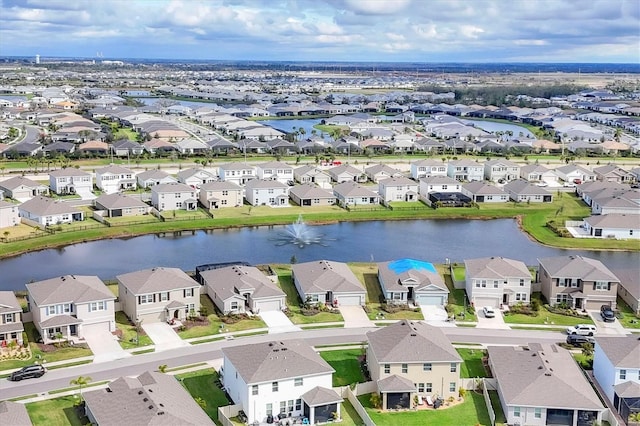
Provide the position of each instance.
(429, 240)
(289, 126)
(491, 126)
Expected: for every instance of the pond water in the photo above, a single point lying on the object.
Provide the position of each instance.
(289, 125)
(428, 240)
(491, 126)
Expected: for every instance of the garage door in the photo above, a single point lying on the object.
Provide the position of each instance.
(97, 327)
(268, 305)
(349, 300)
(479, 302)
(429, 300)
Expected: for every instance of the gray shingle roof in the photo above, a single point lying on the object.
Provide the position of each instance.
(411, 342)
(395, 383)
(69, 171)
(325, 275)
(273, 361)
(44, 206)
(172, 187)
(17, 181)
(115, 169)
(523, 187)
(118, 201)
(220, 186)
(232, 280)
(155, 280)
(630, 280)
(9, 302)
(496, 268)
(264, 184)
(622, 351)
(153, 174)
(481, 188)
(69, 288)
(627, 389)
(320, 396)
(353, 189)
(575, 266)
(613, 220)
(14, 413)
(309, 190)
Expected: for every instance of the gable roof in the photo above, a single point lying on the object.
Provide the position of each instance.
(577, 266)
(156, 279)
(264, 184)
(68, 171)
(398, 181)
(117, 201)
(220, 186)
(187, 173)
(521, 186)
(309, 190)
(273, 361)
(353, 189)
(14, 413)
(622, 351)
(234, 280)
(320, 396)
(411, 342)
(325, 275)
(395, 383)
(496, 268)
(630, 280)
(17, 181)
(69, 288)
(114, 169)
(44, 206)
(9, 302)
(482, 188)
(172, 187)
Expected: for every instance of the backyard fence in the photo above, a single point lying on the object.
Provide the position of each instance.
(361, 388)
(487, 401)
(226, 413)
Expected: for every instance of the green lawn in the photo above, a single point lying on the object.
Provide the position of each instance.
(545, 317)
(497, 408)
(626, 316)
(472, 366)
(471, 412)
(349, 415)
(129, 335)
(346, 364)
(457, 297)
(459, 273)
(201, 384)
(55, 412)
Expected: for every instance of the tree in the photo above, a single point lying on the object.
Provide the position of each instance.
(80, 381)
(163, 368)
(617, 134)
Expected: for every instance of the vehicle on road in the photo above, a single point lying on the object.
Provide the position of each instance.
(488, 312)
(582, 329)
(607, 313)
(28, 372)
(579, 340)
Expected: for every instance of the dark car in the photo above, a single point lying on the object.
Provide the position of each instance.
(578, 339)
(28, 373)
(607, 313)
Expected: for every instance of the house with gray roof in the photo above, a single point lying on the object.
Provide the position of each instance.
(11, 327)
(152, 177)
(613, 225)
(173, 196)
(542, 384)
(398, 188)
(275, 170)
(220, 194)
(22, 189)
(428, 167)
(9, 214)
(482, 192)
(70, 181)
(260, 192)
(573, 173)
(629, 287)
(238, 289)
(501, 170)
(151, 398)
(238, 173)
(70, 306)
(312, 174)
(613, 173)
(524, 192)
(310, 195)
(346, 173)
(120, 205)
(412, 358)
(158, 294)
(580, 282)
(195, 177)
(497, 281)
(352, 194)
(379, 172)
(616, 368)
(14, 413)
(537, 173)
(115, 178)
(46, 211)
(410, 281)
(465, 170)
(325, 281)
(279, 379)
(615, 200)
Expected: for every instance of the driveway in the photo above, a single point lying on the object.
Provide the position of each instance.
(355, 317)
(436, 315)
(607, 328)
(104, 345)
(86, 194)
(278, 322)
(495, 323)
(163, 336)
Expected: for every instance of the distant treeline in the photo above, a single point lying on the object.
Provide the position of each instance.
(498, 95)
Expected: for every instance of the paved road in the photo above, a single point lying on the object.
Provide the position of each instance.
(58, 379)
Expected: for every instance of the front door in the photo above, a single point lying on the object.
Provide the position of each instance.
(410, 294)
(73, 330)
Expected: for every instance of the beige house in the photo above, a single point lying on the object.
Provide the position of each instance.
(9, 214)
(70, 306)
(496, 281)
(411, 358)
(325, 281)
(119, 205)
(580, 282)
(158, 294)
(214, 195)
(173, 196)
(11, 327)
(22, 189)
(398, 188)
(308, 195)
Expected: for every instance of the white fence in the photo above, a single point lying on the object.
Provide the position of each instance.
(352, 397)
(487, 402)
(226, 413)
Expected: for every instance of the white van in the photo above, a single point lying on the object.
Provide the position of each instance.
(583, 329)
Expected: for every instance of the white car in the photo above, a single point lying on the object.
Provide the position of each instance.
(582, 329)
(488, 312)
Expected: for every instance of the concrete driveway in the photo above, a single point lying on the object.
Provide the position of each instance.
(436, 315)
(607, 328)
(278, 322)
(495, 323)
(355, 317)
(163, 336)
(104, 345)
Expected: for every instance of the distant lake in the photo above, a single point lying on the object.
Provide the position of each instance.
(288, 126)
(492, 127)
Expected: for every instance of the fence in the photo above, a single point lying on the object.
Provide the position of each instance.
(360, 389)
(487, 402)
(226, 413)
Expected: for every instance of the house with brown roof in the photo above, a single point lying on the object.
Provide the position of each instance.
(329, 282)
(411, 358)
(47, 211)
(71, 305)
(11, 327)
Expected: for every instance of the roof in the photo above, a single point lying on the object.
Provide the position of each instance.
(237, 279)
(68, 171)
(320, 396)
(395, 383)
(9, 302)
(153, 174)
(543, 376)
(630, 280)
(264, 184)
(394, 274)
(155, 280)
(309, 190)
(273, 361)
(439, 180)
(14, 413)
(60, 321)
(325, 275)
(575, 266)
(615, 221)
(382, 168)
(353, 189)
(149, 399)
(400, 180)
(622, 351)
(69, 288)
(274, 165)
(114, 169)
(116, 201)
(187, 173)
(18, 181)
(482, 188)
(44, 206)
(411, 342)
(627, 389)
(220, 186)
(496, 268)
(521, 186)
(172, 187)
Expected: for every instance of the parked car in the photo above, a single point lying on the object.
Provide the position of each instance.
(28, 372)
(488, 312)
(577, 181)
(607, 313)
(582, 329)
(579, 340)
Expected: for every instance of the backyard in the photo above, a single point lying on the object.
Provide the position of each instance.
(202, 384)
(347, 365)
(473, 366)
(626, 316)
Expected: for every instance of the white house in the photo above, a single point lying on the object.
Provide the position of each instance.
(195, 178)
(398, 189)
(9, 214)
(154, 177)
(352, 194)
(425, 168)
(70, 181)
(495, 281)
(438, 184)
(572, 172)
(114, 179)
(465, 170)
(618, 226)
(501, 170)
(271, 193)
(173, 196)
(238, 173)
(409, 281)
(275, 170)
(47, 211)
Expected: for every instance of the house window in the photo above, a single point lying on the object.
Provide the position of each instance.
(420, 387)
(562, 298)
(254, 390)
(516, 411)
(188, 292)
(98, 306)
(623, 374)
(428, 387)
(290, 405)
(454, 367)
(145, 299)
(234, 306)
(537, 413)
(283, 406)
(297, 381)
(521, 282)
(426, 366)
(164, 296)
(452, 386)
(521, 296)
(601, 286)
(495, 284)
(298, 404)
(269, 409)
(8, 318)
(387, 368)
(405, 368)
(483, 283)
(274, 387)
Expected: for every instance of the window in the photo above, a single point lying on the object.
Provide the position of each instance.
(420, 387)
(290, 405)
(562, 298)
(274, 387)
(297, 381)
(283, 406)
(164, 296)
(234, 306)
(145, 299)
(521, 282)
(254, 390)
(269, 409)
(426, 366)
(495, 284)
(454, 367)
(98, 306)
(601, 285)
(298, 404)
(516, 411)
(428, 387)
(405, 368)
(188, 292)
(452, 386)
(387, 368)
(8, 318)
(537, 413)
(623, 374)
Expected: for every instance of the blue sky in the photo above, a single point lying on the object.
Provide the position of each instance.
(326, 30)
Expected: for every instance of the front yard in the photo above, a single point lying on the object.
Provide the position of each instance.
(544, 317)
(347, 365)
(56, 412)
(127, 335)
(202, 384)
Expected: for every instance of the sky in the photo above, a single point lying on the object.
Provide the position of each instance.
(606, 31)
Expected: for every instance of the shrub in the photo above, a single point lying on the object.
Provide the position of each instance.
(535, 305)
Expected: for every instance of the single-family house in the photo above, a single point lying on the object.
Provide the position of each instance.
(275, 170)
(411, 358)
(9, 214)
(120, 205)
(238, 173)
(239, 288)
(326, 281)
(615, 201)
(629, 287)
(442, 184)
(173, 196)
(158, 294)
(312, 174)
(152, 398)
(613, 173)
(537, 173)
(543, 385)
(482, 192)
(380, 172)
(465, 170)
(410, 281)
(346, 173)
(616, 368)
(220, 194)
(352, 194)
(614, 225)
(153, 177)
(309, 195)
(522, 191)
(271, 193)
(11, 326)
(70, 181)
(500, 170)
(47, 211)
(71, 305)
(195, 178)
(398, 189)
(280, 379)
(497, 281)
(14, 413)
(115, 178)
(580, 282)
(22, 189)
(575, 173)
(192, 146)
(426, 168)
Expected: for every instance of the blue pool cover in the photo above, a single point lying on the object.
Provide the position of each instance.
(404, 265)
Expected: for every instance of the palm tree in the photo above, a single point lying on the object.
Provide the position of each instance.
(162, 368)
(80, 381)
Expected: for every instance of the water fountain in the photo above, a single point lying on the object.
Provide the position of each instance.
(300, 234)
